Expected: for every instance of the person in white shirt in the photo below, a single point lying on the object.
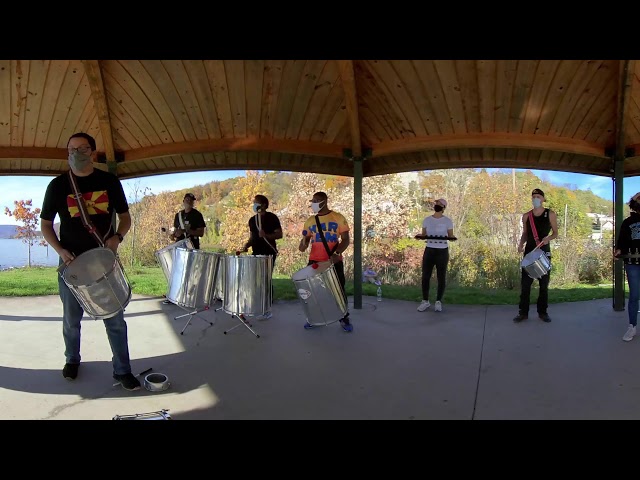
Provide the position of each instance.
(436, 252)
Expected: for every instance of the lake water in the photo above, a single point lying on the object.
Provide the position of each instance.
(14, 253)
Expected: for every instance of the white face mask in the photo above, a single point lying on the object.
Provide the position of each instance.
(316, 207)
(537, 202)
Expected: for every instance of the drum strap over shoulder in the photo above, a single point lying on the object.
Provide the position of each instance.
(324, 240)
(533, 227)
(84, 214)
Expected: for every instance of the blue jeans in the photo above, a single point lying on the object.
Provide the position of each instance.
(116, 331)
(633, 277)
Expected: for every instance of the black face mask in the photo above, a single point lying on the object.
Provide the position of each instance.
(438, 208)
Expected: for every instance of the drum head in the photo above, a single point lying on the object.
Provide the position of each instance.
(89, 267)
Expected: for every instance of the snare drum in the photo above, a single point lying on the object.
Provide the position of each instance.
(97, 280)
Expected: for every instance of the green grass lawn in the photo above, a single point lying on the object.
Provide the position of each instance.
(34, 281)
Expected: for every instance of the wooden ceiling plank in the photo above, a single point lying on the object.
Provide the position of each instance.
(522, 88)
(169, 96)
(310, 79)
(134, 78)
(35, 91)
(416, 92)
(328, 78)
(119, 97)
(291, 76)
(19, 83)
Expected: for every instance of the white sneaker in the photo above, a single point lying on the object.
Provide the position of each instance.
(631, 332)
(424, 305)
(267, 316)
(438, 307)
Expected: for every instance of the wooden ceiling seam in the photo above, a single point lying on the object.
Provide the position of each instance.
(98, 94)
(347, 75)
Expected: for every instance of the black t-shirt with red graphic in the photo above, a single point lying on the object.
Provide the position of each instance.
(103, 194)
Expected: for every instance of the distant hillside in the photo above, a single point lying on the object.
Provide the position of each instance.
(10, 231)
(7, 231)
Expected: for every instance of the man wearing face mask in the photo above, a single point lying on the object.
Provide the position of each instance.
(264, 230)
(188, 222)
(545, 222)
(103, 195)
(336, 233)
(436, 253)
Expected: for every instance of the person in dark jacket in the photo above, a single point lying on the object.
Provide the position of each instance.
(628, 242)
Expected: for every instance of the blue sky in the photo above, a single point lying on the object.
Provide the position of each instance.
(23, 187)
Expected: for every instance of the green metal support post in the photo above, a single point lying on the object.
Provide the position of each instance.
(357, 233)
(618, 265)
(113, 168)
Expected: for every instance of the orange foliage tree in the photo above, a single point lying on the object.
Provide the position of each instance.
(29, 219)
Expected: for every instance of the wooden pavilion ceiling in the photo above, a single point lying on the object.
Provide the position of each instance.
(168, 116)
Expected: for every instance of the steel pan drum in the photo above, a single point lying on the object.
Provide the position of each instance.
(320, 293)
(164, 256)
(247, 284)
(96, 278)
(193, 277)
(218, 293)
(536, 264)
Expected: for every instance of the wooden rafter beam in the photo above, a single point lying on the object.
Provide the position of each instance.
(266, 144)
(98, 94)
(348, 78)
(627, 68)
(489, 140)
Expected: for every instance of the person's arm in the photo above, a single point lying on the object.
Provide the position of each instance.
(49, 234)
(423, 234)
(523, 237)
(177, 231)
(553, 219)
(121, 207)
(277, 232)
(249, 243)
(199, 231)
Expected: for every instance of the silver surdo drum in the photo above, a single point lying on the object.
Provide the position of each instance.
(218, 292)
(536, 263)
(164, 256)
(193, 278)
(247, 284)
(96, 278)
(320, 293)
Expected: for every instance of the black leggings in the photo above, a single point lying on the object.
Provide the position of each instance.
(438, 257)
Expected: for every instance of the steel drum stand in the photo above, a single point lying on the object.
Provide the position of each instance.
(243, 321)
(191, 314)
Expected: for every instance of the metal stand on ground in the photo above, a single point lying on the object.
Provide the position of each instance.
(243, 321)
(191, 314)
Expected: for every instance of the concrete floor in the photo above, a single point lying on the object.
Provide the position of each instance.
(467, 362)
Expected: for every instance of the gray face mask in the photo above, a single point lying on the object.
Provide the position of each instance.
(79, 161)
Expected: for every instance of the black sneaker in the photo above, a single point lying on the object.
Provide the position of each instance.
(544, 317)
(70, 371)
(520, 317)
(128, 381)
(166, 301)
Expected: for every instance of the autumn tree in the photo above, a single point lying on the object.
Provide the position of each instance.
(28, 230)
(235, 229)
